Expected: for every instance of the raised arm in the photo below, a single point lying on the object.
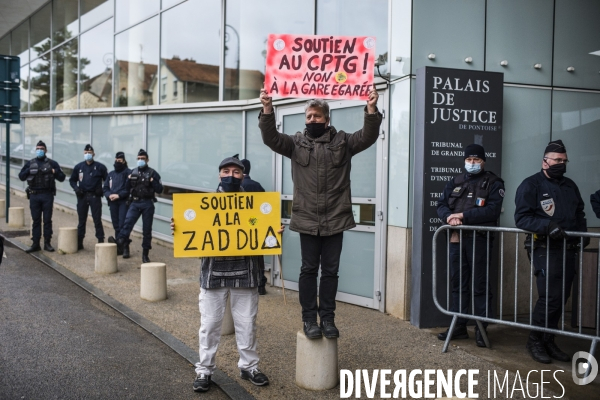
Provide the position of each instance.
(365, 137)
(278, 142)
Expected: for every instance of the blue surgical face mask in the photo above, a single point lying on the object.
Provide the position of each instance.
(88, 156)
(40, 153)
(141, 163)
(473, 168)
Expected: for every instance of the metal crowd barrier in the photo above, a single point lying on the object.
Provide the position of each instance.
(511, 320)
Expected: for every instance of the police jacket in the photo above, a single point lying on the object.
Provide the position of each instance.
(478, 196)
(540, 199)
(116, 183)
(38, 174)
(250, 185)
(321, 172)
(88, 177)
(144, 183)
(595, 200)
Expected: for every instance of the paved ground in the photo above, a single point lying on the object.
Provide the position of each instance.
(369, 339)
(59, 342)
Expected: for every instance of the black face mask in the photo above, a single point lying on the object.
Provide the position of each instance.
(119, 166)
(316, 129)
(231, 184)
(556, 171)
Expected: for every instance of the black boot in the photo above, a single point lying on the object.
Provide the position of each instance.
(536, 348)
(48, 246)
(120, 245)
(126, 251)
(479, 338)
(35, 246)
(460, 332)
(145, 258)
(553, 350)
(79, 244)
(312, 330)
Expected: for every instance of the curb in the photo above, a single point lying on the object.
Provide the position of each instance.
(230, 387)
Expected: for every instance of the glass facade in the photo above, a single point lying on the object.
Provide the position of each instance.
(64, 76)
(94, 12)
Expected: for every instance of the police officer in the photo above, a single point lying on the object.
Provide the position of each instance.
(40, 174)
(116, 193)
(595, 201)
(472, 198)
(86, 180)
(144, 183)
(548, 204)
(250, 185)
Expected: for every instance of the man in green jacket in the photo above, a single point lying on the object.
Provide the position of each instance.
(322, 207)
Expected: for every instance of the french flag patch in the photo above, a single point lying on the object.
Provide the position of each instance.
(480, 202)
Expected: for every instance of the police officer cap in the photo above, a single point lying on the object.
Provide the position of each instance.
(88, 147)
(41, 144)
(246, 166)
(120, 154)
(475, 150)
(142, 152)
(235, 160)
(556, 146)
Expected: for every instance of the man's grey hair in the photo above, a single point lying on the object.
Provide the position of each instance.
(318, 103)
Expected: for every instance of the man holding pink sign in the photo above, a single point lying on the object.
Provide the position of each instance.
(321, 155)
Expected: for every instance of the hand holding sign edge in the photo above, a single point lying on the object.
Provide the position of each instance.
(266, 101)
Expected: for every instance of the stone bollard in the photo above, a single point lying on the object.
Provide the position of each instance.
(227, 328)
(16, 217)
(67, 240)
(316, 363)
(106, 258)
(2, 208)
(153, 286)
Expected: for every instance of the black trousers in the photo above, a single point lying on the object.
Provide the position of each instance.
(118, 212)
(472, 268)
(145, 209)
(91, 202)
(324, 251)
(554, 275)
(41, 204)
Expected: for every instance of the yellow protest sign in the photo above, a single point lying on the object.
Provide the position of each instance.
(227, 224)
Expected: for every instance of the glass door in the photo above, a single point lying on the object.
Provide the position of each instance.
(362, 266)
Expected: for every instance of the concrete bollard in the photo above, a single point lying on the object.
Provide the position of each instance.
(153, 286)
(67, 240)
(2, 208)
(16, 217)
(227, 328)
(316, 363)
(106, 258)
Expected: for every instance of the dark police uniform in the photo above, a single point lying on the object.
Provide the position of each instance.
(144, 183)
(117, 183)
(479, 197)
(86, 180)
(540, 201)
(595, 201)
(41, 190)
(251, 185)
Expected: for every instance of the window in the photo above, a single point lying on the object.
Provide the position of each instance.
(95, 66)
(174, 88)
(136, 64)
(65, 22)
(64, 76)
(190, 51)
(95, 11)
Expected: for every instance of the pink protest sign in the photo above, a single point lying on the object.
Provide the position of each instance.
(327, 67)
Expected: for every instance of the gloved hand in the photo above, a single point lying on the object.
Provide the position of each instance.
(79, 193)
(555, 231)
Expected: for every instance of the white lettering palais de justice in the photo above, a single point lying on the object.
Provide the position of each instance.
(447, 99)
